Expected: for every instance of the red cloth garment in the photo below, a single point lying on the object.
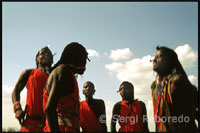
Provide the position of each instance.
(67, 110)
(35, 86)
(134, 121)
(88, 120)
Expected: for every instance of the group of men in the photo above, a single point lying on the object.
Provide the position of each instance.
(52, 102)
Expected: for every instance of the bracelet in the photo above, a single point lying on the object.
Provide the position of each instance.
(17, 109)
(16, 106)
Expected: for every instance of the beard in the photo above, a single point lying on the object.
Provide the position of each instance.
(80, 71)
(163, 69)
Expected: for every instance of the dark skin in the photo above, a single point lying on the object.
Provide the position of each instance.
(43, 60)
(97, 105)
(127, 97)
(60, 83)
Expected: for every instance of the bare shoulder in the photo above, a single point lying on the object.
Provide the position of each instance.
(61, 71)
(25, 74)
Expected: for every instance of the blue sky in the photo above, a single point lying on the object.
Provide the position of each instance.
(121, 38)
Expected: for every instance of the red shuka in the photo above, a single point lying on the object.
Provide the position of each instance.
(65, 104)
(134, 121)
(35, 86)
(88, 120)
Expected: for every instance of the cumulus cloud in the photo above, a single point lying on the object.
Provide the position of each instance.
(138, 71)
(115, 66)
(120, 54)
(92, 53)
(186, 55)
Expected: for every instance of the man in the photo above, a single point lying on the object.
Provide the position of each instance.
(130, 113)
(61, 95)
(91, 110)
(174, 97)
(34, 80)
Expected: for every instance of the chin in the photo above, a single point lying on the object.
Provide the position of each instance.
(81, 71)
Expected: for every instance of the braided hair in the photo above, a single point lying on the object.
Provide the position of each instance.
(73, 54)
(174, 63)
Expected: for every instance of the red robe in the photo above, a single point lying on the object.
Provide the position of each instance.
(134, 121)
(67, 110)
(88, 120)
(35, 86)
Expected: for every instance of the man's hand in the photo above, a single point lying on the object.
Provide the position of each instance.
(19, 114)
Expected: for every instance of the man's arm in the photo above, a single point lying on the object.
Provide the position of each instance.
(60, 86)
(144, 117)
(115, 116)
(21, 83)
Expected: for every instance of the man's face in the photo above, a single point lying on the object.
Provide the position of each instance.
(82, 64)
(44, 58)
(157, 60)
(126, 93)
(161, 62)
(88, 90)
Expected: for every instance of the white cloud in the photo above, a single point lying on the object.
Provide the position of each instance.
(114, 66)
(193, 79)
(121, 54)
(8, 115)
(92, 53)
(138, 71)
(186, 55)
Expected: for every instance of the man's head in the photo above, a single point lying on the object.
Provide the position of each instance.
(165, 60)
(44, 58)
(74, 54)
(126, 90)
(88, 89)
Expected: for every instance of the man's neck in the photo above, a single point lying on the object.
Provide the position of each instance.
(128, 102)
(89, 99)
(45, 69)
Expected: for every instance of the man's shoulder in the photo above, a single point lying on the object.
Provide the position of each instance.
(61, 70)
(99, 101)
(117, 104)
(26, 72)
(142, 104)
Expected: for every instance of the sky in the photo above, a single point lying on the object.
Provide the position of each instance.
(120, 37)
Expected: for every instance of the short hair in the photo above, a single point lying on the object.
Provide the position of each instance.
(90, 83)
(127, 85)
